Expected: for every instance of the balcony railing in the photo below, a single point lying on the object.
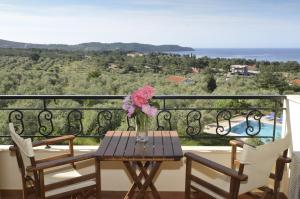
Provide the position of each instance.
(91, 116)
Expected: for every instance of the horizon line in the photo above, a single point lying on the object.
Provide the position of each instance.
(182, 45)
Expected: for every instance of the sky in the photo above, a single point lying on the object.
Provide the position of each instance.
(193, 23)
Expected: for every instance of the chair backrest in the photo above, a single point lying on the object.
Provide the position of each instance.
(259, 162)
(24, 147)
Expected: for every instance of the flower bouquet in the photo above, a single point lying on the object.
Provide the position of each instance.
(140, 106)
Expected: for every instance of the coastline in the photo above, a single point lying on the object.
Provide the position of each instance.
(259, 54)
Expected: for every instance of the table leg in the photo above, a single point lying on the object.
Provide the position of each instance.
(140, 177)
(148, 179)
(145, 174)
(98, 179)
(136, 179)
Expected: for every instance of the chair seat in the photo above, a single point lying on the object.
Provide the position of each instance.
(59, 175)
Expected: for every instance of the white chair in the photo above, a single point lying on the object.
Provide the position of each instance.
(253, 171)
(53, 177)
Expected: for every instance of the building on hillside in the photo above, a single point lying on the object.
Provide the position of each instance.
(180, 79)
(253, 72)
(239, 70)
(295, 82)
(195, 70)
(252, 67)
(135, 54)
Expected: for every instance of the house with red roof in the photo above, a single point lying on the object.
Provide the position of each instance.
(295, 82)
(179, 79)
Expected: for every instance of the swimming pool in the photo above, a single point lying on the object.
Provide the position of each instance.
(266, 129)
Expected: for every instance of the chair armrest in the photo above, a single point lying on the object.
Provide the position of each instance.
(53, 140)
(280, 164)
(234, 144)
(240, 143)
(56, 140)
(237, 143)
(285, 159)
(218, 167)
(12, 148)
(60, 162)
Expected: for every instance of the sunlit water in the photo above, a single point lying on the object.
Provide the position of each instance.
(266, 129)
(260, 54)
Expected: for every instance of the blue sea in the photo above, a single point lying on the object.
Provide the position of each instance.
(260, 54)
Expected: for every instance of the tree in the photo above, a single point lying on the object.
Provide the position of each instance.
(94, 74)
(211, 84)
(271, 80)
(35, 57)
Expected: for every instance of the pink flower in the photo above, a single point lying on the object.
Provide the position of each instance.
(149, 110)
(138, 98)
(127, 106)
(142, 95)
(127, 99)
(130, 110)
(148, 91)
(126, 103)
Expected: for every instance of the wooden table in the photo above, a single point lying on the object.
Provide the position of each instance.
(146, 157)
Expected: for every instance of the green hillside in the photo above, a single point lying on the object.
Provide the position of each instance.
(97, 46)
(36, 71)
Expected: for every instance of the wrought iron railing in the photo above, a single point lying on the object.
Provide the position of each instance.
(93, 115)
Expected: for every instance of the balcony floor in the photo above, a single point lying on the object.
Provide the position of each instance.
(177, 195)
(118, 195)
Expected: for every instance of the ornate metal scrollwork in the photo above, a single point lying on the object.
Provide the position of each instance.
(102, 116)
(193, 117)
(257, 115)
(225, 115)
(129, 127)
(16, 116)
(47, 116)
(166, 115)
(75, 117)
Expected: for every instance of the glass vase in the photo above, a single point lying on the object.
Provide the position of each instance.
(142, 123)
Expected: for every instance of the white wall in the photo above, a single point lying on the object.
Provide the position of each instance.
(294, 113)
(293, 120)
(170, 178)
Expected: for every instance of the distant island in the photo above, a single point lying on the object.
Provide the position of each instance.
(97, 46)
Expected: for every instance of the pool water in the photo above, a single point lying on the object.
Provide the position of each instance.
(266, 129)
